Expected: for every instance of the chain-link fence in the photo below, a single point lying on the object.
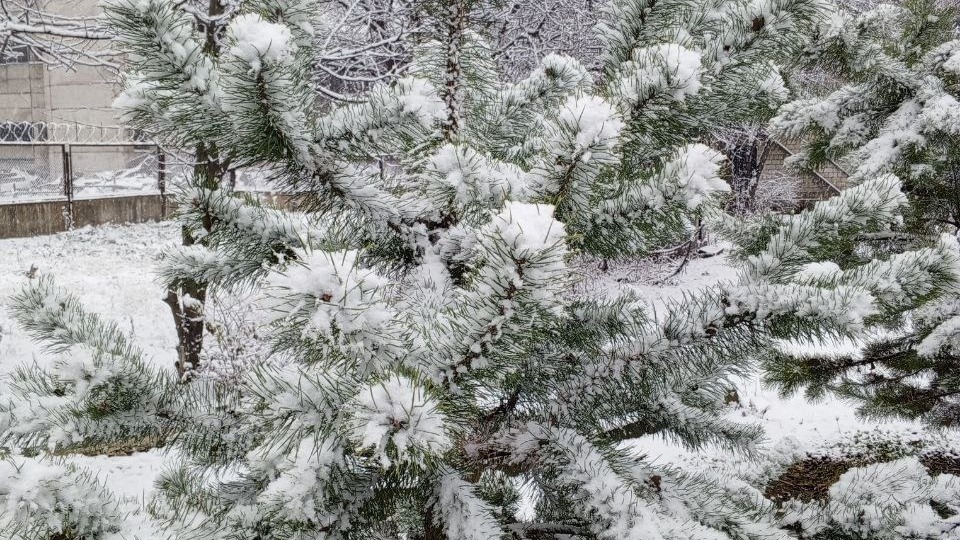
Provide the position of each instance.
(49, 171)
(31, 172)
(46, 161)
(87, 173)
(56, 177)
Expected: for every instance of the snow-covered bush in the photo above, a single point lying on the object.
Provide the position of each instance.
(870, 486)
(881, 501)
(51, 500)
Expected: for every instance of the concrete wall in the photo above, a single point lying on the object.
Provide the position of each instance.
(32, 219)
(80, 96)
(49, 217)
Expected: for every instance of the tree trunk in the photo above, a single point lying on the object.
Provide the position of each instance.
(745, 151)
(457, 11)
(187, 298)
(430, 529)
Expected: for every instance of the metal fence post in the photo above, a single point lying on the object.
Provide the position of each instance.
(68, 184)
(162, 181)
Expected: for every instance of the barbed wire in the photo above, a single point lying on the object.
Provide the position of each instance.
(63, 133)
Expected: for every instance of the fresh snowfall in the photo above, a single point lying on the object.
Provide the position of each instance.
(520, 270)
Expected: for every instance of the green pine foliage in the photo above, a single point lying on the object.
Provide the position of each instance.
(431, 363)
(896, 112)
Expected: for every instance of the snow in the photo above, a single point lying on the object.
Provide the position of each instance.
(533, 261)
(410, 100)
(346, 297)
(669, 69)
(465, 515)
(946, 56)
(623, 514)
(775, 87)
(943, 338)
(847, 306)
(258, 42)
(883, 501)
(67, 500)
(818, 271)
(397, 412)
(339, 301)
(697, 169)
(941, 112)
(527, 228)
(556, 76)
(900, 132)
(419, 98)
(475, 177)
(593, 122)
(691, 178)
(578, 141)
(110, 269)
(294, 487)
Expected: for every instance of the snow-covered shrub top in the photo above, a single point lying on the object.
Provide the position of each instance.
(528, 230)
(884, 501)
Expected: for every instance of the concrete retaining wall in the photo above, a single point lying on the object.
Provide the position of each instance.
(48, 217)
(32, 218)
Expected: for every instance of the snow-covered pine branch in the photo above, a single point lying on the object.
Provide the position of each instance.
(50, 500)
(894, 113)
(430, 357)
(100, 388)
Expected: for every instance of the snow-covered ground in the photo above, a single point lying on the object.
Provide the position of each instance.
(111, 269)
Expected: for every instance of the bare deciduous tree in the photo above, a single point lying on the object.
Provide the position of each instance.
(360, 43)
(524, 31)
(34, 30)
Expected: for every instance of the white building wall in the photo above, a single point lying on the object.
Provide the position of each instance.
(38, 93)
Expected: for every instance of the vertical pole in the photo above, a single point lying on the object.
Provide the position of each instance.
(68, 184)
(162, 181)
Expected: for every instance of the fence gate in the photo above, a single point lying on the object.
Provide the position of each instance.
(83, 174)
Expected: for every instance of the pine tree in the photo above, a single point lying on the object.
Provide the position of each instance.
(897, 111)
(431, 361)
(164, 94)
